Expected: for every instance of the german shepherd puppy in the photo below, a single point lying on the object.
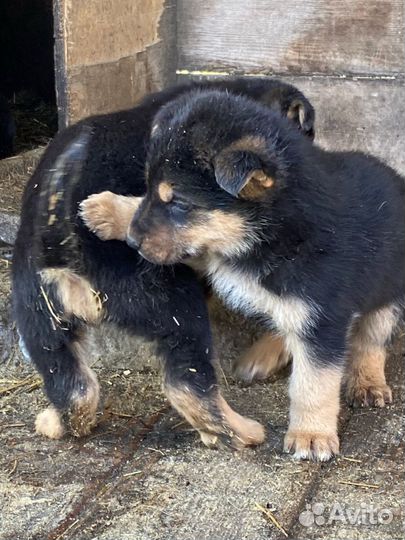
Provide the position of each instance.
(313, 242)
(65, 278)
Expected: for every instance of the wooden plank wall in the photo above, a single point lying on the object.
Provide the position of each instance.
(348, 56)
(110, 52)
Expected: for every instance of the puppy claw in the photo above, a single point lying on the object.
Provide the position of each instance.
(312, 446)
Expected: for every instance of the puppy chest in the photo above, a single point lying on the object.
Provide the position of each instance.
(244, 293)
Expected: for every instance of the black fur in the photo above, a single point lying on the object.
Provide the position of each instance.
(164, 304)
(331, 230)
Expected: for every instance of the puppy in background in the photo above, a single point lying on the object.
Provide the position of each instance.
(313, 242)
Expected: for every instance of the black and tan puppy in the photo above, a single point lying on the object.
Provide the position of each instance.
(313, 242)
(65, 278)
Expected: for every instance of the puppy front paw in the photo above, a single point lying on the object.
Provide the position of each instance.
(99, 213)
(316, 446)
(83, 409)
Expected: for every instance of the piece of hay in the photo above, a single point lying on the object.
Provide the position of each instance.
(359, 484)
(271, 517)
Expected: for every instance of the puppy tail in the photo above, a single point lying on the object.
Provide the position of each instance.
(55, 237)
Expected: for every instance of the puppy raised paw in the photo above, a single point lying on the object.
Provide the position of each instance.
(109, 215)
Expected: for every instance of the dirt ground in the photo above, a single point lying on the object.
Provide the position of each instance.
(144, 475)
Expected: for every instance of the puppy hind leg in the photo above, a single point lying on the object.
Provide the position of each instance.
(80, 301)
(86, 393)
(70, 385)
(50, 314)
(365, 378)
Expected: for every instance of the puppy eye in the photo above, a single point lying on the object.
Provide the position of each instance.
(181, 204)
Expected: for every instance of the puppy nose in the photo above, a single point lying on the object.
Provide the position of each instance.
(132, 242)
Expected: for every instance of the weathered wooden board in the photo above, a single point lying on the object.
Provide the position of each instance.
(359, 115)
(292, 36)
(366, 115)
(110, 52)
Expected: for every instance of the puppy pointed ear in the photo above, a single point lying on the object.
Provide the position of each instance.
(241, 174)
(302, 113)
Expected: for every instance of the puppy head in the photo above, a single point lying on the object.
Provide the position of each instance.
(215, 159)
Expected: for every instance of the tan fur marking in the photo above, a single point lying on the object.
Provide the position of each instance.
(257, 182)
(53, 200)
(249, 143)
(315, 403)
(366, 384)
(365, 379)
(82, 415)
(243, 431)
(267, 356)
(246, 432)
(75, 294)
(109, 215)
(49, 424)
(159, 245)
(215, 232)
(290, 314)
(296, 111)
(165, 191)
(219, 232)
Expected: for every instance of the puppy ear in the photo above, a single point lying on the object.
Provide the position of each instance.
(241, 174)
(302, 113)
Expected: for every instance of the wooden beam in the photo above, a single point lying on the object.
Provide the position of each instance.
(110, 52)
(292, 36)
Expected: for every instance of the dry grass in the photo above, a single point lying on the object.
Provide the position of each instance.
(8, 386)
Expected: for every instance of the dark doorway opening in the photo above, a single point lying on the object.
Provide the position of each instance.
(27, 83)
